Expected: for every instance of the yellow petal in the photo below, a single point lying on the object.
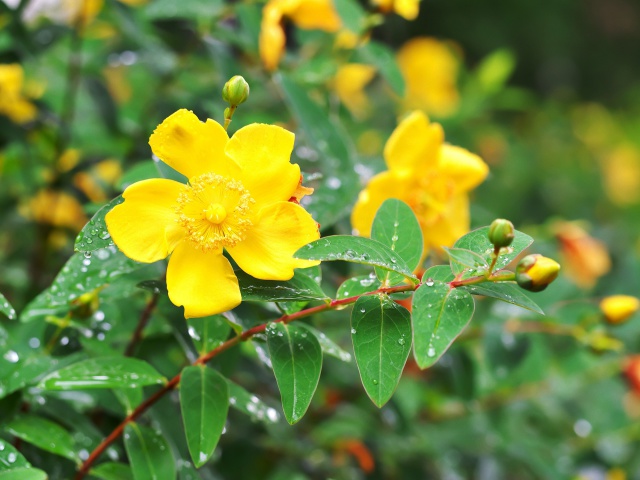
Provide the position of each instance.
(267, 252)
(414, 144)
(383, 186)
(139, 225)
(202, 282)
(466, 169)
(451, 225)
(272, 38)
(316, 15)
(190, 146)
(349, 83)
(407, 8)
(263, 153)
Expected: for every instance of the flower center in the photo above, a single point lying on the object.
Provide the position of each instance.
(215, 211)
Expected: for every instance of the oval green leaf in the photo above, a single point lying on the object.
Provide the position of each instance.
(300, 287)
(478, 241)
(204, 402)
(438, 272)
(396, 226)
(10, 458)
(43, 434)
(329, 347)
(23, 474)
(357, 250)
(381, 334)
(507, 292)
(149, 454)
(251, 405)
(6, 308)
(358, 286)
(104, 372)
(461, 259)
(94, 235)
(208, 333)
(296, 357)
(439, 314)
(112, 471)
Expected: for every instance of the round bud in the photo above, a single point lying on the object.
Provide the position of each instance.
(535, 272)
(235, 91)
(619, 308)
(501, 233)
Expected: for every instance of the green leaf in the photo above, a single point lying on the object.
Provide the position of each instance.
(353, 16)
(384, 59)
(495, 69)
(251, 405)
(204, 402)
(396, 226)
(358, 286)
(94, 235)
(329, 347)
(105, 372)
(191, 9)
(326, 139)
(43, 434)
(11, 458)
(129, 398)
(439, 315)
(149, 454)
(81, 274)
(438, 272)
(23, 474)
(462, 259)
(507, 292)
(6, 308)
(112, 471)
(381, 334)
(478, 241)
(208, 333)
(300, 287)
(357, 250)
(296, 356)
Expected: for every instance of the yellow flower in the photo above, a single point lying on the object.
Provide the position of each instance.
(621, 172)
(305, 14)
(430, 71)
(433, 178)
(55, 208)
(618, 308)
(95, 182)
(237, 201)
(585, 258)
(405, 8)
(12, 102)
(349, 84)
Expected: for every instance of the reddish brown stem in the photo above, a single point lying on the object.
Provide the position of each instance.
(144, 319)
(203, 359)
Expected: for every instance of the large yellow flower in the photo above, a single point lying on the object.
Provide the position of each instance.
(432, 177)
(430, 71)
(13, 104)
(240, 198)
(405, 8)
(306, 14)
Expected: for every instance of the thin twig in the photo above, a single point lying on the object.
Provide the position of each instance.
(144, 319)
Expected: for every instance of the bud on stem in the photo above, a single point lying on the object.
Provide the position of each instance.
(535, 272)
(234, 92)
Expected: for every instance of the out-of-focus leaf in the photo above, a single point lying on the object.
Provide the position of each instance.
(149, 454)
(190, 9)
(23, 473)
(105, 372)
(251, 405)
(438, 272)
(140, 171)
(353, 16)
(507, 292)
(204, 402)
(11, 458)
(495, 69)
(329, 347)
(349, 248)
(300, 287)
(381, 334)
(112, 471)
(94, 235)
(208, 333)
(384, 59)
(358, 285)
(478, 241)
(43, 434)
(6, 308)
(439, 314)
(396, 226)
(80, 275)
(296, 356)
(129, 398)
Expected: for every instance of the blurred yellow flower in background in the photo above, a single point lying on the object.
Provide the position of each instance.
(621, 175)
(305, 14)
(619, 308)
(408, 9)
(349, 84)
(13, 103)
(55, 208)
(432, 177)
(97, 181)
(430, 71)
(584, 258)
(237, 200)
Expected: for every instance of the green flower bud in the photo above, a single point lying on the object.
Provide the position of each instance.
(535, 272)
(235, 91)
(501, 233)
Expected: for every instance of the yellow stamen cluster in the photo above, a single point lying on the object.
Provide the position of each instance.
(215, 211)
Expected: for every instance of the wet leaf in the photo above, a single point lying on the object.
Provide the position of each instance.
(329, 347)
(462, 259)
(251, 405)
(208, 333)
(112, 471)
(43, 434)
(358, 286)
(6, 308)
(300, 287)
(94, 235)
(507, 292)
(478, 241)
(149, 454)
(10, 458)
(23, 474)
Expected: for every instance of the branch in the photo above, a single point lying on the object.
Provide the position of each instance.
(144, 319)
(203, 359)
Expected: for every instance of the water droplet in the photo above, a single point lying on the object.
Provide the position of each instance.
(394, 238)
(11, 356)
(105, 235)
(89, 240)
(375, 382)
(429, 282)
(353, 331)
(87, 255)
(11, 457)
(431, 352)
(34, 342)
(401, 341)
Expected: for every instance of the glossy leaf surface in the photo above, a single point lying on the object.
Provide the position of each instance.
(149, 454)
